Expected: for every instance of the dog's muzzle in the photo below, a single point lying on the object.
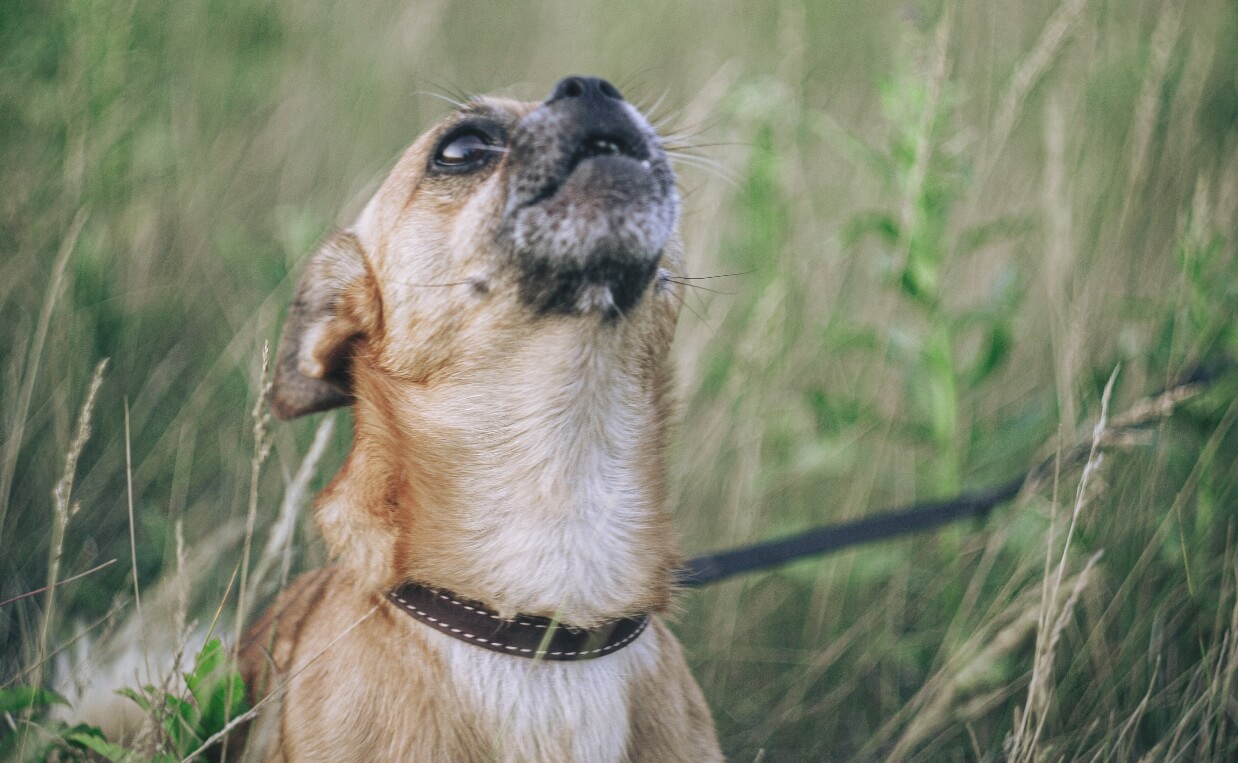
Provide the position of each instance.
(591, 201)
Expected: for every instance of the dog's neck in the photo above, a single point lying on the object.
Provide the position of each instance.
(535, 486)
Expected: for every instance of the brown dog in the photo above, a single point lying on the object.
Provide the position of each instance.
(499, 317)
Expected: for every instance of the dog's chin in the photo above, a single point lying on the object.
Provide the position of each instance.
(592, 246)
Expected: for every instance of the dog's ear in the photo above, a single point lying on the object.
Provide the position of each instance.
(336, 304)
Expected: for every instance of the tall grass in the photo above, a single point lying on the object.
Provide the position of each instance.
(930, 232)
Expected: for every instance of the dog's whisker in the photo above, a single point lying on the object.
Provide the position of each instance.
(680, 135)
(653, 110)
(683, 302)
(674, 144)
(439, 285)
(702, 288)
(620, 314)
(664, 123)
(720, 275)
(669, 118)
(450, 92)
(441, 97)
(650, 110)
(686, 155)
(698, 161)
(690, 129)
(636, 81)
(704, 160)
(712, 168)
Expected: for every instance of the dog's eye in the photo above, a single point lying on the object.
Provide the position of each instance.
(463, 149)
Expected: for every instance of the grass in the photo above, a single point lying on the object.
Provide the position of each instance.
(950, 222)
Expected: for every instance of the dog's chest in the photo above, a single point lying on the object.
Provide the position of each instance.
(527, 710)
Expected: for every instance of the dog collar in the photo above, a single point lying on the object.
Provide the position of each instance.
(539, 638)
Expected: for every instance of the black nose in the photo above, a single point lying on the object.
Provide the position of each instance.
(585, 88)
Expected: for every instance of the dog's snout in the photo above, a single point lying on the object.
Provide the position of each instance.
(584, 118)
(584, 88)
(591, 201)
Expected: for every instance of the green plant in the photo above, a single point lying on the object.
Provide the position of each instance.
(921, 245)
(181, 724)
(31, 733)
(216, 696)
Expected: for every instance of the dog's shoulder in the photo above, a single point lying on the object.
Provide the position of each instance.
(339, 670)
(267, 648)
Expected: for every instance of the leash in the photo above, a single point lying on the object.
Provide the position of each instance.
(710, 568)
(918, 517)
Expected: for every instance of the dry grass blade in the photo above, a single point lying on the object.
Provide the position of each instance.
(17, 423)
(1030, 70)
(279, 539)
(63, 509)
(1164, 38)
(1125, 733)
(262, 448)
(133, 541)
(69, 579)
(1059, 259)
(1120, 431)
(1054, 615)
(938, 703)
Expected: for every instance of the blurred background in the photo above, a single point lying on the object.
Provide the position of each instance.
(927, 232)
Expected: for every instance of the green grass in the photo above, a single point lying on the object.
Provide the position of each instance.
(953, 221)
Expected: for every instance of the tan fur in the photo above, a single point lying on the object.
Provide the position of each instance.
(512, 457)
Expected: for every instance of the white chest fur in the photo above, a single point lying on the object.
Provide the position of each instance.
(530, 710)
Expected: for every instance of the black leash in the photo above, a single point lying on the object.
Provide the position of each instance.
(710, 568)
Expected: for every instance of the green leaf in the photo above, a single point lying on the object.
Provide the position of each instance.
(998, 229)
(182, 723)
(921, 276)
(880, 224)
(845, 337)
(207, 662)
(217, 688)
(16, 699)
(135, 695)
(91, 738)
(996, 350)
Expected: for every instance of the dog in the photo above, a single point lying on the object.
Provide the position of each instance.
(499, 318)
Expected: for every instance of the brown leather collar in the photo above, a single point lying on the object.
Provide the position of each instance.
(538, 638)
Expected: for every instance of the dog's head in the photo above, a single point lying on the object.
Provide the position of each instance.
(502, 220)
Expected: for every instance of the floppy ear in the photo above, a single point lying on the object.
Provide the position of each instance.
(336, 304)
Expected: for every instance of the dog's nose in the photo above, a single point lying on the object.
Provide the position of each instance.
(584, 88)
